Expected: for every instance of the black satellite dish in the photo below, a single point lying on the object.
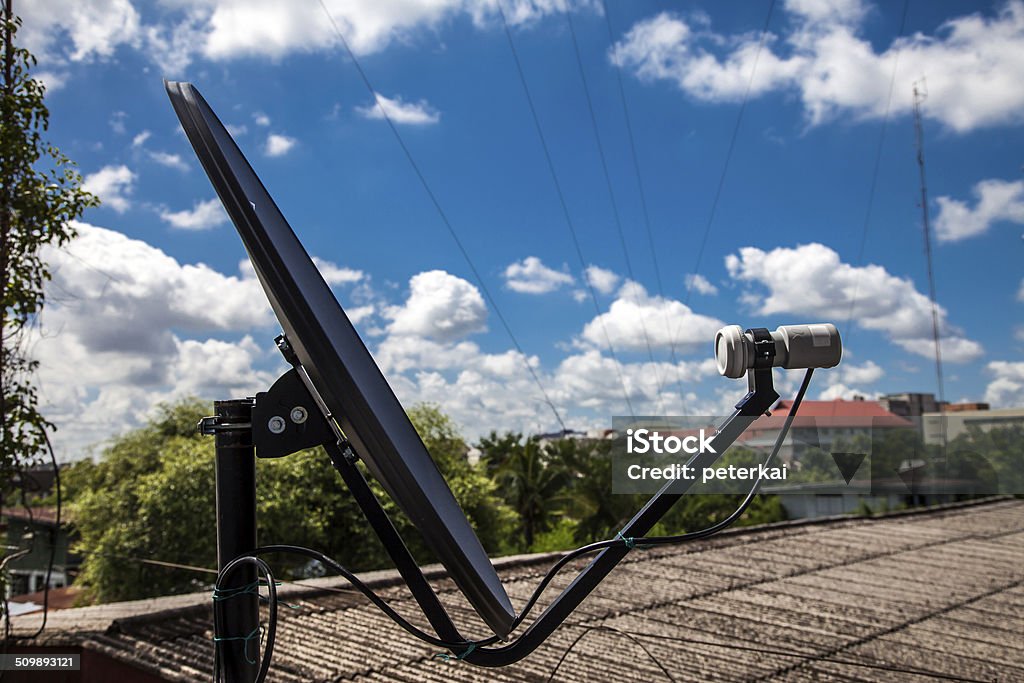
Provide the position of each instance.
(340, 368)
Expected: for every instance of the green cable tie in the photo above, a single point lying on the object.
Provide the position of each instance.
(630, 542)
(255, 634)
(444, 656)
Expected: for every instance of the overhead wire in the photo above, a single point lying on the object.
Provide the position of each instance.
(872, 188)
(611, 198)
(442, 214)
(732, 146)
(644, 208)
(565, 208)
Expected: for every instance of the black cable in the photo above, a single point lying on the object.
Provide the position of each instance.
(415, 631)
(820, 657)
(590, 629)
(444, 216)
(565, 207)
(268, 647)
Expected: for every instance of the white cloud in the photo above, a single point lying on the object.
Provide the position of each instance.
(261, 119)
(279, 145)
(1007, 389)
(603, 280)
(409, 113)
(202, 216)
(334, 274)
(531, 276)
(236, 131)
(1020, 292)
(810, 280)
(995, 201)
(839, 390)
(140, 139)
(77, 29)
(865, 373)
(116, 122)
(52, 80)
(699, 283)
(169, 160)
(126, 326)
(972, 63)
(182, 30)
(668, 323)
(112, 184)
(441, 307)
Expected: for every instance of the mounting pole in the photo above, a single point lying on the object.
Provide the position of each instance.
(236, 535)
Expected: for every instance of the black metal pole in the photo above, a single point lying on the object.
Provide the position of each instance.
(236, 535)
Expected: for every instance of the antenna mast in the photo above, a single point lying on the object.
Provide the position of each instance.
(920, 94)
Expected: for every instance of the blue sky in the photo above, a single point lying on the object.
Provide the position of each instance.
(153, 302)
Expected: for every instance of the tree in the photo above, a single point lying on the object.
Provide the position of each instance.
(151, 497)
(40, 195)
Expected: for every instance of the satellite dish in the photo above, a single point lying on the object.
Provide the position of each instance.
(338, 364)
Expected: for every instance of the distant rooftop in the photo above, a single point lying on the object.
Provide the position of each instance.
(903, 597)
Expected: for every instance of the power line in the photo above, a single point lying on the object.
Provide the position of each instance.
(565, 208)
(877, 165)
(644, 208)
(611, 198)
(441, 213)
(732, 146)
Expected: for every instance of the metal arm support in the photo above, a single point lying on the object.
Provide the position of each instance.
(318, 428)
(761, 397)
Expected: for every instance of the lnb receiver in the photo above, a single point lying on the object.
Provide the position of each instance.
(790, 347)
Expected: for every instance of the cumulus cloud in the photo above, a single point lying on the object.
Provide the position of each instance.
(334, 274)
(441, 307)
(202, 216)
(810, 280)
(278, 145)
(700, 284)
(140, 139)
(62, 31)
(995, 201)
(127, 326)
(668, 323)
(603, 280)
(113, 185)
(1007, 389)
(169, 160)
(408, 113)
(531, 276)
(972, 63)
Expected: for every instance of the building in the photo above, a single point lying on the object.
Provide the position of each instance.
(910, 404)
(920, 595)
(959, 421)
(820, 424)
(32, 532)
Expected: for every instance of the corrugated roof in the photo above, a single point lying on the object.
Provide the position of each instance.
(904, 597)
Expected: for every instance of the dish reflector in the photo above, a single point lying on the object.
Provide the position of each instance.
(338, 363)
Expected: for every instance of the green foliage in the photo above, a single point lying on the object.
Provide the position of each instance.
(530, 481)
(151, 496)
(40, 195)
